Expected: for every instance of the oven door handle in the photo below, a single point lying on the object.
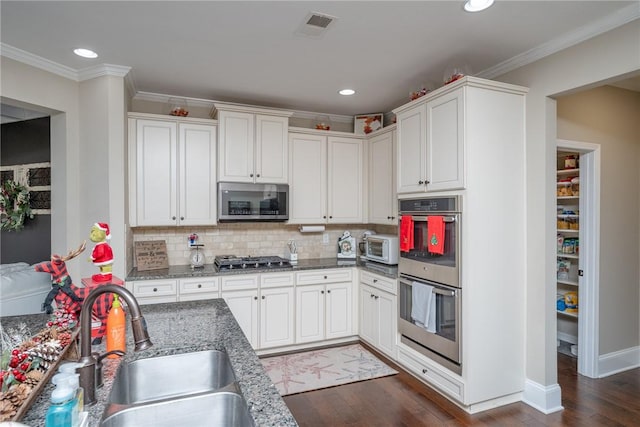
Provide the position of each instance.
(436, 290)
(426, 218)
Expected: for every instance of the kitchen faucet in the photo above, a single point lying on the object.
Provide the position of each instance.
(91, 363)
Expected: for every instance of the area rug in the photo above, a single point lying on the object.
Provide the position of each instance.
(313, 370)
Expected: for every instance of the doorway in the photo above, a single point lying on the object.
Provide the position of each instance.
(578, 231)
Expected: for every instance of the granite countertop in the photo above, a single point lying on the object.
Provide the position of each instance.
(182, 271)
(179, 328)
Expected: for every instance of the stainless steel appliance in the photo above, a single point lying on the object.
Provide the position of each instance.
(232, 262)
(382, 248)
(430, 296)
(439, 338)
(252, 202)
(419, 262)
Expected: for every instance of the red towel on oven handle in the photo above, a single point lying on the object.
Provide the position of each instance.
(435, 235)
(406, 233)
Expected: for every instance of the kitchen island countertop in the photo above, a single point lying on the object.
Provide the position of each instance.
(179, 328)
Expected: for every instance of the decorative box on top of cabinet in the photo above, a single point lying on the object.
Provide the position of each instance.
(172, 171)
(326, 179)
(253, 144)
(431, 143)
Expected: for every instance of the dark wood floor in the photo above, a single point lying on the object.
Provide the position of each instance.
(402, 400)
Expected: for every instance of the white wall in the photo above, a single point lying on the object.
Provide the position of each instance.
(590, 63)
(87, 146)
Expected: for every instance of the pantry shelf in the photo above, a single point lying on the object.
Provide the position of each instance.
(568, 172)
(567, 282)
(575, 315)
(572, 256)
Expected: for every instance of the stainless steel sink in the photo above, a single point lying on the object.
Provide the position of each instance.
(221, 409)
(188, 389)
(178, 375)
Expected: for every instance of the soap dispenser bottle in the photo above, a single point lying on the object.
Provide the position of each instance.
(63, 404)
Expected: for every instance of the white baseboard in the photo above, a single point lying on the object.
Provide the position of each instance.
(546, 399)
(571, 339)
(618, 361)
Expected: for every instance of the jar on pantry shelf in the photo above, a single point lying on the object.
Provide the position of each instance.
(571, 162)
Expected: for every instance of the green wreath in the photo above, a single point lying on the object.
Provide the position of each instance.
(14, 206)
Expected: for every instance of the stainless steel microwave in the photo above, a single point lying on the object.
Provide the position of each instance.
(252, 202)
(382, 248)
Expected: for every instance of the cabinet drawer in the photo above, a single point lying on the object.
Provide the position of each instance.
(154, 288)
(248, 281)
(276, 280)
(380, 282)
(198, 286)
(314, 277)
(429, 373)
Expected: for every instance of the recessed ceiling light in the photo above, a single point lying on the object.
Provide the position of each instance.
(477, 5)
(85, 53)
(346, 92)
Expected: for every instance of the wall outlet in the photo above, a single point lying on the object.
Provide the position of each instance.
(325, 238)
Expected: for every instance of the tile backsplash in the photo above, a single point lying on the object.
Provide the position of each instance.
(253, 239)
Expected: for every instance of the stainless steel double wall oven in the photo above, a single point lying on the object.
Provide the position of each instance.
(430, 283)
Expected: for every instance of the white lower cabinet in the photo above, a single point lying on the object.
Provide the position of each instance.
(324, 305)
(378, 311)
(154, 291)
(263, 307)
(431, 372)
(194, 289)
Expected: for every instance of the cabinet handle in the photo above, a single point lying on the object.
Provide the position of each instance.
(427, 182)
(325, 277)
(322, 292)
(173, 217)
(324, 216)
(377, 297)
(424, 371)
(393, 217)
(375, 280)
(258, 175)
(263, 297)
(181, 218)
(371, 295)
(329, 291)
(388, 217)
(420, 182)
(199, 285)
(251, 175)
(155, 289)
(255, 298)
(330, 216)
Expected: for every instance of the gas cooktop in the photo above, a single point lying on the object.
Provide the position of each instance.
(232, 262)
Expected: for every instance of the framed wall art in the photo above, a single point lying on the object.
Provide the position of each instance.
(367, 123)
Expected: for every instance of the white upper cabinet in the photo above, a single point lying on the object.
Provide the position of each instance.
(253, 146)
(383, 205)
(431, 143)
(326, 176)
(172, 172)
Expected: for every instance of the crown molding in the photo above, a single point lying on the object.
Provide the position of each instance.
(102, 70)
(164, 98)
(608, 23)
(38, 62)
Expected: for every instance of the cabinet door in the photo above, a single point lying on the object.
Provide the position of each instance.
(244, 307)
(383, 204)
(197, 156)
(156, 173)
(310, 313)
(368, 315)
(412, 149)
(387, 323)
(276, 317)
(445, 142)
(237, 139)
(339, 301)
(308, 179)
(344, 180)
(272, 149)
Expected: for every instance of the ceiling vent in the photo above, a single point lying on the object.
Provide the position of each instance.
(316, 24)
